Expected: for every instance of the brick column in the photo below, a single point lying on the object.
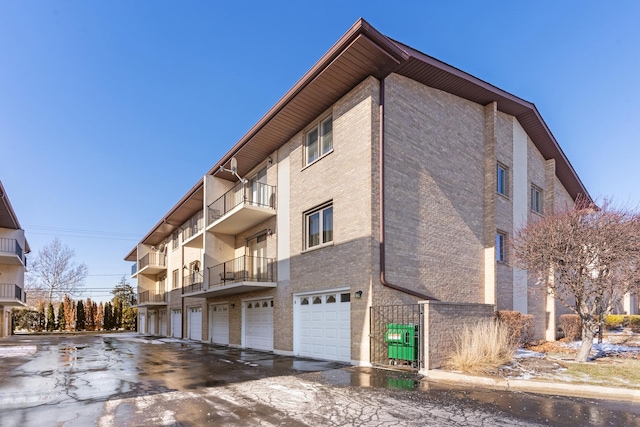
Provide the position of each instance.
(490, 279)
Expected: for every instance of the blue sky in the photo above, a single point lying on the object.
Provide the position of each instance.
(111, 111)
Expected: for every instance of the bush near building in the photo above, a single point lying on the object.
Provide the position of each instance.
(571, 325)
(519, 325)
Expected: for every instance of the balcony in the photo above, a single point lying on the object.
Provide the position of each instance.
(12, 295)
(151, 263)
(242, 207)
(243, 274)
(11, 252)
(192, 282)
(192, 231)
(152, 298)
(134, 270)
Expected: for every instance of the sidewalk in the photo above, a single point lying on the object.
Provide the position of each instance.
(533, 386)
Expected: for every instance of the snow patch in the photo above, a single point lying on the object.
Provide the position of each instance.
(18, 351)
(522, 353)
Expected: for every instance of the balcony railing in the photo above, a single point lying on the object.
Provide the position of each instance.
(253, 193)
(153, 259)
(192, 282)
(146, 297)
(134, 269)
(242, 269)
(12, 292)
(193, 226)
(11, 246)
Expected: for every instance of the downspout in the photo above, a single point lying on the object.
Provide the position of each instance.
(383, 279)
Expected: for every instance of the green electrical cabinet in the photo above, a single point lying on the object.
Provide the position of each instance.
(402, 342)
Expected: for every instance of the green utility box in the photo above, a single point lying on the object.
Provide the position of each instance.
(402, 341)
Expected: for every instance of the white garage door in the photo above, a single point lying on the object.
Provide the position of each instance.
(323, 326)
(195, 323)
(219, 323)
(176, 323)
(162, 319)
(152, 322)
(143, 323)
(258, 321)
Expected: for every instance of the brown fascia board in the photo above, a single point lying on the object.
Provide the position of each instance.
(513, 105)
(132, 256)
(401, 56)
(6, 211)
(361, 27)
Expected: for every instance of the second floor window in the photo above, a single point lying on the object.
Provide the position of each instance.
(319, 141)
(536, 199)
(319, 226)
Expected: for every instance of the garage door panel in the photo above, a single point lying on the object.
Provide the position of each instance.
(258, 324)
(323, 326)
(195, 323)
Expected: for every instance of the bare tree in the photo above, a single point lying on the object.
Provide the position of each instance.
(588, 258)
(54, 274)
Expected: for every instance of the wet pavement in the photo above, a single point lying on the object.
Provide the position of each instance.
(133, 380)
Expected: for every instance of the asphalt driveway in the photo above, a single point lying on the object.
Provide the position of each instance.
(133, 380)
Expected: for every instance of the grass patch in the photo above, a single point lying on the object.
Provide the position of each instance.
(608, 373)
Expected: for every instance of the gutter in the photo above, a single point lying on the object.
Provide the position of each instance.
(383, 263)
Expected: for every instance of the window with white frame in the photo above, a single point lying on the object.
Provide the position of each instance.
(175, 240)
(319, 226)
(502, 181)
(319, 141)
(536, 199)
(501, 248)
(175, 279)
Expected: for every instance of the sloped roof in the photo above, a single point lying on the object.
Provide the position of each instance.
(362, 52)
(8, 217)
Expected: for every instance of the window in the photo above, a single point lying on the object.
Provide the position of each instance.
(501, 248)
(176, 279)
(174, 240)
(536, 199)
(502, 182)
(319, 141)
(319, 226)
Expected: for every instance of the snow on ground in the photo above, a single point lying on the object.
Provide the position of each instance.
(522, 353)
(605, 348)
(18, 350)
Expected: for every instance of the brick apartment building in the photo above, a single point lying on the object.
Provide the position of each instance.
(383, 177)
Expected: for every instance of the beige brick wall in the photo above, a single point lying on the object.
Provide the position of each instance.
(443, 322)
(434, 160)
(504, 209)
(343, 176)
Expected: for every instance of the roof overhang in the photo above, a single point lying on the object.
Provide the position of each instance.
(8, 217)
(361, 52)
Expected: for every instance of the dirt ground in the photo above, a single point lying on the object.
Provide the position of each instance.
(558, 355)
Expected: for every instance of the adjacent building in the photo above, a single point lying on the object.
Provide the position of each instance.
(383, 177)
(13, 263)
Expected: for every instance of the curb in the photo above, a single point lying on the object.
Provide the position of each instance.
(534, 386)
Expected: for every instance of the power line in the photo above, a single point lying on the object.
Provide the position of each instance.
(78, 230)
(83, 237)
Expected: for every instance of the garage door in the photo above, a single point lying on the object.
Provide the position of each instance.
(323, 326)
(219, 323)
(195, 323)
(258, 321)
(176, 323)
(152, 322)
(162, 319)
(143, 323)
